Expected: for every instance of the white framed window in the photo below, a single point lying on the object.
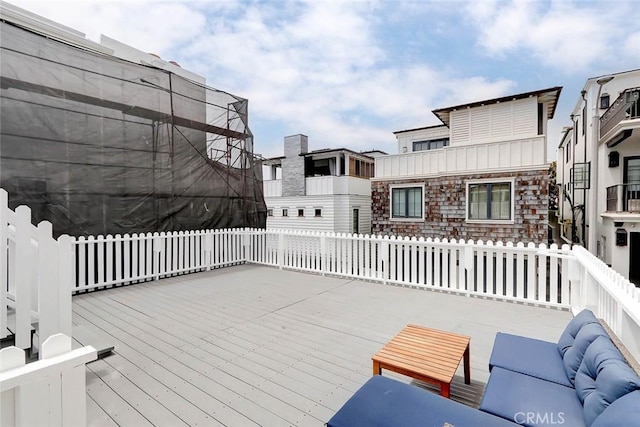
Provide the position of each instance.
(317, 212)
(285, 212)
(490, 200)
(300, 211)
(269, 212)
(407, 202)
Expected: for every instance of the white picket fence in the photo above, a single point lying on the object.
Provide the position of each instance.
(36, 274)
(105, 261)
(515, 272)
(613, 298)
(49, 392)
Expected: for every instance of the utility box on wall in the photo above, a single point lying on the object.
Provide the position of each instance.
(621, 237)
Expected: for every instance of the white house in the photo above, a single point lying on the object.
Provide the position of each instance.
(599, 172)
(324, 190)
(482, 174)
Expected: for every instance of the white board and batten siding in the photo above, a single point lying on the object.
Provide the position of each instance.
(496, 122)
(483, 158)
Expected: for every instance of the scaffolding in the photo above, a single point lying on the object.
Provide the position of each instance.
(99, 145)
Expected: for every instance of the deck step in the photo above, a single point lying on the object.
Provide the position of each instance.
(85, 336)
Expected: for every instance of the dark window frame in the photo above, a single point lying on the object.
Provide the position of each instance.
(489, 186)
(406, 191)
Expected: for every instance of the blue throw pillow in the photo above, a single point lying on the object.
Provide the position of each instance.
(566, 339)
(603, 377)
(624, 412)
(573, 356)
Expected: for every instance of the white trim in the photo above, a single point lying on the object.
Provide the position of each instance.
(543, 167)
(406, 185)
(511, 182)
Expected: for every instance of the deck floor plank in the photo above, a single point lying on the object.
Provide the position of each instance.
(254, 345)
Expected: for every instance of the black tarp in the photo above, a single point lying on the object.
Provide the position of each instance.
(99, 145)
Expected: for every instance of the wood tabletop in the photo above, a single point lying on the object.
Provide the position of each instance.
(424, 353)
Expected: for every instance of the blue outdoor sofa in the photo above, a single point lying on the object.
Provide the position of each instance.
(581, 381)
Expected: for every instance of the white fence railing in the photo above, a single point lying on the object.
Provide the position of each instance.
(613, 298)
(119, 260)
(522, 273)
(49, 392)
(35, 277)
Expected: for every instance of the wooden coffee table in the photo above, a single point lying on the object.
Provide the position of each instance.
(425, 354)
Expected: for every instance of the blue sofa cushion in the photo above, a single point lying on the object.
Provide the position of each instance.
(574, 354)
(603, 377)
(530, 401)
(571, 330)
(540, 359)
(625, 411)
(382, 401)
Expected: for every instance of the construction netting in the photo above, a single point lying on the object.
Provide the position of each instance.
(99, 145)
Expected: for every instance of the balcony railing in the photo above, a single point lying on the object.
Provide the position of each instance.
(623, 198)
(623, 108)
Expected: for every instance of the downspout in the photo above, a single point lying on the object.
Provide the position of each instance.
(595, 138)
(585, 241)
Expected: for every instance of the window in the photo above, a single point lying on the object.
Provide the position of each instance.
(604, 101)
(318, 212)
(269, 212)
(285, 212)
(567, 149)
(406, 202)
(489, 201)
(300, 211)
(430, 145)
(584, 119)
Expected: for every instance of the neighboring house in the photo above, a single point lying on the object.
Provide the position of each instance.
(599, 172)
(101, 138)
(323, 190)
(482, 175)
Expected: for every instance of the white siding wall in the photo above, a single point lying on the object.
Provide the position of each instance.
(406, 139)
(337, 213)
(490, 157)
(309, 221)
(495, 122)
(272, 188)
(344, 206)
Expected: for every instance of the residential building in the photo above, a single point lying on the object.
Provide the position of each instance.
(599, 171)
(483, 174)
(325, 190)
(101, 138)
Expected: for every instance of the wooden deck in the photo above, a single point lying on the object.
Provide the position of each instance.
(251, 345)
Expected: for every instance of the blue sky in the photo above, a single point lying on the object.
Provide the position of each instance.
(350, 73)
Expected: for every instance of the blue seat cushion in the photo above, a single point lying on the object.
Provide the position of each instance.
(603, 377)
(574, 354)
(625, 411)
(531, 401)
(571, 330)
(540, 359)
(382, 401)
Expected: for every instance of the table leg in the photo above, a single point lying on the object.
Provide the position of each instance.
(467, 366)
(445, 390)
(377, 370)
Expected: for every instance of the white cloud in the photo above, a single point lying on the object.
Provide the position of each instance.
(315, 67)
(566, 35)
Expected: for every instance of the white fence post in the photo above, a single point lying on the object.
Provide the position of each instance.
(4, 252)
(23, 277)
(66, 279)
(49, 304)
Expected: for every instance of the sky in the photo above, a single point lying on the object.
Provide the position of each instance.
(350, 73)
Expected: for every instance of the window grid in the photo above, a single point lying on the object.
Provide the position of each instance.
(406, 202)
(490, 201)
